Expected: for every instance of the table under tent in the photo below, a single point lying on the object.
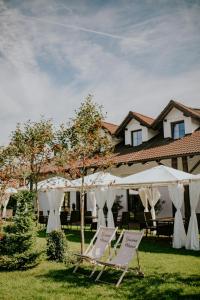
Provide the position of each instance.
(147, 182)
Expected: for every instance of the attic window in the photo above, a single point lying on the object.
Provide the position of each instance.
(136, 137)
(178, 129)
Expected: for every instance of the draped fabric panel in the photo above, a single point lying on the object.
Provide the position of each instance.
(144, 199)
(192, 239)
(43, 202)
(153, 195)
(6, 199)
(92, 203)
(110, 201)
(55, 198)
(100, 195)
(176, 193)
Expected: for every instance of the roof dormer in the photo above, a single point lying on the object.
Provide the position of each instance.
(136, 129)
(177, 120)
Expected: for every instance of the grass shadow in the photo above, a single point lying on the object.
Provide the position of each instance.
(157, 286)
(163, 245)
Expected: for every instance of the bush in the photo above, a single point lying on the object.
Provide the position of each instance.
(17, 242)
(56, 246)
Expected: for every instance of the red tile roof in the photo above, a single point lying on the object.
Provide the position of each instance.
(109, 126)
(156, 149)
(144, 120)
(192, 112)
(160, 148)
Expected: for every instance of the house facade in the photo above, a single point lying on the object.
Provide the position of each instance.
(172, 139)
(141, 142)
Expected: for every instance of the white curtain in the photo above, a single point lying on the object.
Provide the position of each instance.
(100, 195)
(92, 203)
(72, 198)
(110, 201)
(153, 196)
(55, 199)
(143, 197)
(192, 239)
(43, 202)
(6, 199)
(176, 193)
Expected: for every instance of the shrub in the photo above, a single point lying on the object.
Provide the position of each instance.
(17, 243)
(56, 246)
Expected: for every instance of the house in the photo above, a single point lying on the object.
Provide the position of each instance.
(172, 139)
(141, 142)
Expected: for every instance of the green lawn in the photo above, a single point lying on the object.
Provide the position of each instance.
(169, 274)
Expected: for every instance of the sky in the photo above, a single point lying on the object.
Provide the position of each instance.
(130, 54)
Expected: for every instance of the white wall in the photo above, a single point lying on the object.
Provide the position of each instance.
(113, 139)
(176, 115)
(135, 125)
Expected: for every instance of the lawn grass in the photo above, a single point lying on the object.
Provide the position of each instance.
(169, 274)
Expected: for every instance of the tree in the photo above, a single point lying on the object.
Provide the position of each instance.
(32, 146)
(84, 146)
(17, 246)
(7, 172)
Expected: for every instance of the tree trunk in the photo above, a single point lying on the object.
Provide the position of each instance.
(37, 201)
(31, 183)
(82, 215)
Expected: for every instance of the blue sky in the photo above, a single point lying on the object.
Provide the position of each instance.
(131, 55)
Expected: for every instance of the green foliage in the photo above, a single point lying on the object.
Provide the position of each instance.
(84, 139)
(18, 240)
(32, 146)
(56, 246)
(170, 274)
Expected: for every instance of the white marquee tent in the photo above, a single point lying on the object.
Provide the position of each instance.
(100, 193)
(50, 197)
(147, 181)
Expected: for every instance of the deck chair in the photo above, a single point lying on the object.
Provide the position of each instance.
(98, 245)
(123, 255)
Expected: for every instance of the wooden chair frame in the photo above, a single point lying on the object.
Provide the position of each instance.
(123, 268)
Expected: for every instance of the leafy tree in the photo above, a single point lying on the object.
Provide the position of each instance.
(31, 146)
(17, 246)
(7, 172)
(84, 146)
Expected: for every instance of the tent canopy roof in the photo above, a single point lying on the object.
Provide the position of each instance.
(157, 175)
(54, 182)
(96, 179)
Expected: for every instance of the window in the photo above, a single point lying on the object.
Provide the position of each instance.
(178, 130)
(136, 137)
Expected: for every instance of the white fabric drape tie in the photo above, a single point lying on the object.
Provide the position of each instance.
(143, 197)
(192, 239)
(176, 194)
(153, 196)
(100, 195)
(110, 201)
(55, 199)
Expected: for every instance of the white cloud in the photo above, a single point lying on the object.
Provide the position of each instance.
(127, 62)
